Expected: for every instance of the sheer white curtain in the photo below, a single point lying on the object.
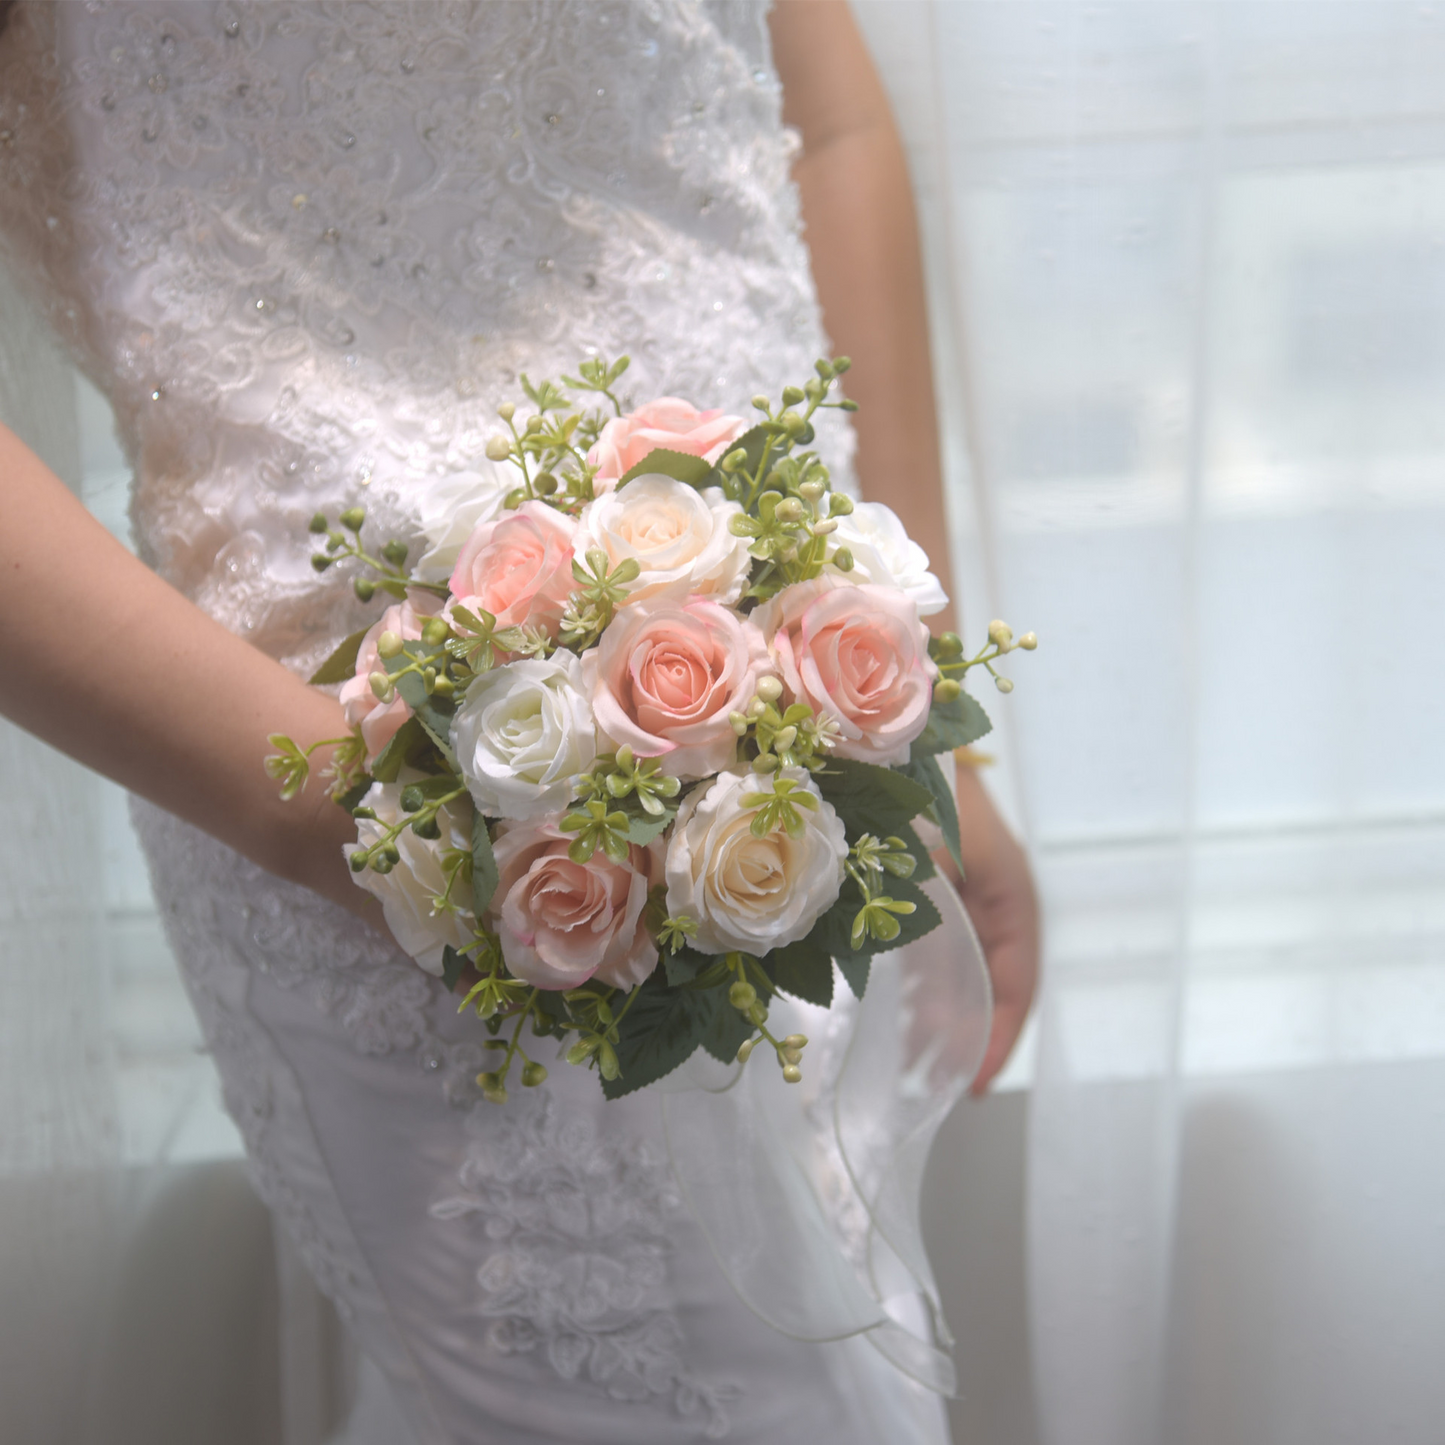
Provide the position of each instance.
(1188, 277)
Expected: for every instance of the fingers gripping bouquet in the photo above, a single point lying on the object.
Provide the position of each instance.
(642, 740)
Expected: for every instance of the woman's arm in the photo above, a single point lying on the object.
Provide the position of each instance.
(863, 235)
(103, 660)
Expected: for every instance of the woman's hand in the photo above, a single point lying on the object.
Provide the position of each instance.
(999, 895)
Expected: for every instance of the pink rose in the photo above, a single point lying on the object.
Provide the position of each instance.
(518, 567)
(560, 922)
(665, 676)
(857, 654)
(669, 423)
(379, 720)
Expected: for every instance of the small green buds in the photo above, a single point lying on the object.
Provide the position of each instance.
(840, 504)
(395, 552)
(506, 411)
(841, 364)
(1004, 684)
(412, 799)
(745, 1050)
(353, 518)
(734, 459)
(792, 395)
(742, 995)
(1029, 641)
(792, 1074)
(382, 687)
(317, 525)
(389, 644)
(1000, 633)
(533, 1074)
(947, 689)
(842, 559)
(435, 632)
(770, 689)
(498, 448)
(544, 484)
(761, 403)
(320, 563)
(364, 588)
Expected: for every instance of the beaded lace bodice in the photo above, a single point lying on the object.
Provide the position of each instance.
(306, 248)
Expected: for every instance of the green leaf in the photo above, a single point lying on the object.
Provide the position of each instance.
(724, 1035)
(452, 965)
(438, 724)
(951, 725)
(484, 866)
(870, 799)
(681, 467)
(341, 665)
(661, 1030)
(684, 965)
(804, 969)
(642, 828)
(353, 796)
(833, 930)
(943, 810)
(409, 739)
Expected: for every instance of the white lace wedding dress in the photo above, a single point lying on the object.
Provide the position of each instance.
(305, 249)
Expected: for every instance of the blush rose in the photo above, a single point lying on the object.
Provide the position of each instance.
(518, 567)
(673, 425)
(665, 676)
(857, 654)
(378, 720)
(560, 922)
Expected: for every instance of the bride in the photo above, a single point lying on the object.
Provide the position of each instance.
(305, 249)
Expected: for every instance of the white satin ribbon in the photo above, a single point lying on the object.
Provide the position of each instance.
(808, 1194)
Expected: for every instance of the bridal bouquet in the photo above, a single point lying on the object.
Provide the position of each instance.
(644, 736)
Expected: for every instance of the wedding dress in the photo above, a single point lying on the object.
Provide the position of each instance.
(305, 250)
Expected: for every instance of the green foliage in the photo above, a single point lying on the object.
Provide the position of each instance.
(804, 969)
(951, 725)
(680, 466)
(407, 743)
(870, 799)
(724, 1034)
(834, 930)
(452, 965)
(942, 810)
(660, 1031)
(341, 665)
(484, 866)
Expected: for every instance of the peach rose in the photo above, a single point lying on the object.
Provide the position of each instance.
(518, 567)
(674, 425)
(665, 676)
(858, 654)
(379, 720)
(560, 922)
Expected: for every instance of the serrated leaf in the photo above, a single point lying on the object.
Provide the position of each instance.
(484, 866)
(642, 828)
(661, 1030)
(341, 665)
(951, 725)
(943, 810)
(680, 466)
(724, 1035)
(855, 970)
(452, 965)
(870, 799)
(684, 965)
(408, 740)
(804, 969)
(438, 725)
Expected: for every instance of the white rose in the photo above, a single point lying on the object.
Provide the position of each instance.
(407, 892)
(523, 734)
(449, 510)
(885, 555)
(676, 534)
(748, 893)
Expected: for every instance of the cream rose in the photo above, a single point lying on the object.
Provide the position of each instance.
(677, 535)
(407, 892)
(665, 676)
(748, 893)
(560, 922)
(858, 654)
(378, 720)
(450, 509)
(523, 734)
(518, 567)
(674, 425)
(884, 554)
